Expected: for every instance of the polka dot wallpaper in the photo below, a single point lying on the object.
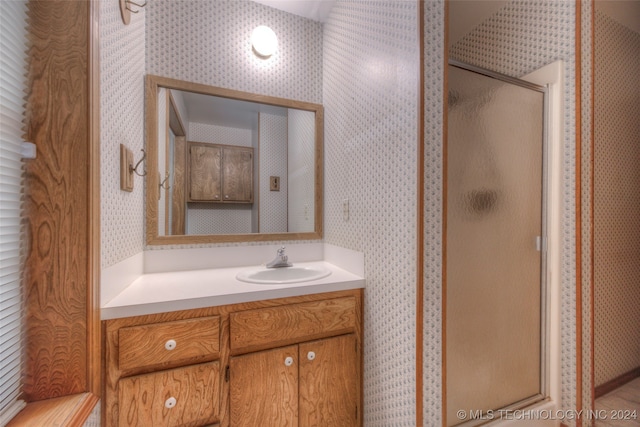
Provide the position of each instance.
(273, 204)
(434, 49)
(371, 64)
(207, 42)
(300, 164)
(122, 69)
(617, 199)
(586, 186)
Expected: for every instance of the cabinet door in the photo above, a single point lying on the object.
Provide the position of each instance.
(264, 388)
(204, 172)
(329, 379)
(186, 396)
(237, 175)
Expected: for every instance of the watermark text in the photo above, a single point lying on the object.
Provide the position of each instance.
(547, 414)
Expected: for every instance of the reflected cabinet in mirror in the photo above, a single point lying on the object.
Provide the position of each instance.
(230, 166)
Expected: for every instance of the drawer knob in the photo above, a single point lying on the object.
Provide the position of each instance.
(288, 361)
(311, 355)
(170, 345)
(170, 402)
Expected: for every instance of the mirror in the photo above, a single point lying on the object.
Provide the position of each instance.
(230, 166)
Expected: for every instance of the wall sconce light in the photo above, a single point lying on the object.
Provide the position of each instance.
(264, 41)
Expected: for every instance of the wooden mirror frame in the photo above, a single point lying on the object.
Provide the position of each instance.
(152, 83)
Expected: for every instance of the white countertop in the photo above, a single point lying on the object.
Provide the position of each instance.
(184, 290)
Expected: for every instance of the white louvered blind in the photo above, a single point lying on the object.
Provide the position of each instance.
(12, 86)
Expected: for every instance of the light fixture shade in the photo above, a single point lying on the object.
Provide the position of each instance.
(264, 41)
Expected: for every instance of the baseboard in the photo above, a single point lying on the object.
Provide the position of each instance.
(609, 386)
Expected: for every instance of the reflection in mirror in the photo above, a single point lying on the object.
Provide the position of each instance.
(230, 166)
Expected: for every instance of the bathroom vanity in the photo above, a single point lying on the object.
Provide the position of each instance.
(281, 355)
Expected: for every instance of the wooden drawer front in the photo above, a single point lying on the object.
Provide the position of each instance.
(146, 345)
(276, 326)
(188, 396)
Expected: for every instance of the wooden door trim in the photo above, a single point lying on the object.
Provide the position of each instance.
(94, 341)
(70, 395)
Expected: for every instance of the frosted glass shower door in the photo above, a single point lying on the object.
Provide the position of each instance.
(494, 280)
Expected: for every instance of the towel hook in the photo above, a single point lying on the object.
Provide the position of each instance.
(164, 183)
(140, 6)
(135, 168)
(127, 7)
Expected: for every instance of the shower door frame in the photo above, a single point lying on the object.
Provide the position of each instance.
(542, 244)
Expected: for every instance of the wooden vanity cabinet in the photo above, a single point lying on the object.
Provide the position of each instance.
(220, 173)
(163, 370)
(284, 362)
(312, 383)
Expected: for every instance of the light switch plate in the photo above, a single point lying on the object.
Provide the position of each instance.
(126, 169)
(274, 183)
(345, 209)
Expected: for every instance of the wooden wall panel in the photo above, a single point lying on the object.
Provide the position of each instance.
(57, 265)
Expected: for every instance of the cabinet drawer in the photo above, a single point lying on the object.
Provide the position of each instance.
(169, 343)
(276, 326)
(186, 396)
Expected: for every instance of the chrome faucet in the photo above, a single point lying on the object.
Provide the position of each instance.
(281, 260)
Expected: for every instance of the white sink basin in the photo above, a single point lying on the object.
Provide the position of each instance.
(274, 276)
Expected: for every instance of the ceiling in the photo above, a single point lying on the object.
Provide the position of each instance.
(214, 110)
(465, 15)
(626, 12)
(317, 10)
(468, 13)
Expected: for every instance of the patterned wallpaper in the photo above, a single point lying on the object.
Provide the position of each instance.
(371, 63)
(521, 37)
(585, 194)
(617, 199)
(122, 50)
(433, 77)
(207, 42)
(207, 218)
(273, 162)
(300, 166)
